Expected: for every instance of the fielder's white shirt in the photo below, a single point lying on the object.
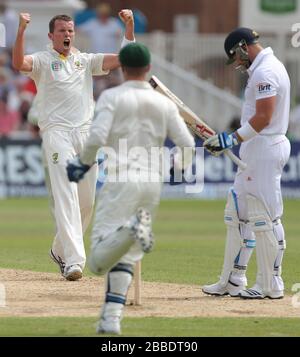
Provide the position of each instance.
(267, 78)
(136, 113)
(65, 88)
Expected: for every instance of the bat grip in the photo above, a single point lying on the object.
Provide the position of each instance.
(235, 159)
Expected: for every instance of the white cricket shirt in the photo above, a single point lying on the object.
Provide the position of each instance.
(267, 78)
(142, 117)
(65, 88)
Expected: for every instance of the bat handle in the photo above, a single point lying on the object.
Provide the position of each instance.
(235, 159)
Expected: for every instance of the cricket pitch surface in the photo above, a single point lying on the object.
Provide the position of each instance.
(47, 294)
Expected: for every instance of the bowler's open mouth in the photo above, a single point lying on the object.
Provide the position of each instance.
(67, 43)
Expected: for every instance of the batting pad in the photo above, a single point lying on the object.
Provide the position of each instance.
(118, 281)
(280, 236)
(267, 245)
(258, 216)
(233, 242)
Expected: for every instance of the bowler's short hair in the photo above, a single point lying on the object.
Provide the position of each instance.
(66, 18)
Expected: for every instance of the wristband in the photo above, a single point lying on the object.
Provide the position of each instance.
(126, 42)
(246, 132)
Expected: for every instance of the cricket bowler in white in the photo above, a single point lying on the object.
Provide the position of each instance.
(254, 207)
(122, 224)
(65, 106)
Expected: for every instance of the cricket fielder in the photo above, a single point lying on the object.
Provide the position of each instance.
(254, 205)
(65, 105)
(122, 230)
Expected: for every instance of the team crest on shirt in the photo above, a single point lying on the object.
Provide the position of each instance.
(55, 158)
(264, 87)
(56, 66)
(78, 65)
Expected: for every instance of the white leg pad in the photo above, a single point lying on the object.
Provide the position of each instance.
(280, 236)
(239, 245)
(267, 246)
(118, 282)
(248, 244)
(232, 249)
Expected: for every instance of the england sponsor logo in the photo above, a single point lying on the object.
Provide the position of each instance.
(264, 87)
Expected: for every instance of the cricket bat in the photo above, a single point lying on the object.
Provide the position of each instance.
(193, 122)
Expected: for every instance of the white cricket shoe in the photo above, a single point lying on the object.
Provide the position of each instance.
(275, 295)
(73, 272)
(142, 230)
(256, 293)
(218, 289)
(58, 261)
(110, 325)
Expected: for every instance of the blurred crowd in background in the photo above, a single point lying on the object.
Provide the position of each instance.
(104, 30)
(17, 91)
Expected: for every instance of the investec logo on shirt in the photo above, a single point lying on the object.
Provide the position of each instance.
(264, 87)
(2, 35)
(56, 65)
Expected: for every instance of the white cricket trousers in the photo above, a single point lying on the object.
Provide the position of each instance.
(265, 157)
(116, 204)
(73, 204)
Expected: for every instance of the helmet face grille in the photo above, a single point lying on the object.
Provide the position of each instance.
(240, 54)
(233, 50)
(238, 38)
(239, 44)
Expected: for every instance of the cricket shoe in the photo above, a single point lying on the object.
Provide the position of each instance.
(142, 230)
(218, 289)
(110, 325)
(73, 272)
(58, 261)
(255, 293)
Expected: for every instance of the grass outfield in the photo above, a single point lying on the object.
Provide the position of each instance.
(153, 327)
(189, 249)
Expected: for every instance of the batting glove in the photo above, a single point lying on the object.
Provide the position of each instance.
(218, 143)
(76, 169)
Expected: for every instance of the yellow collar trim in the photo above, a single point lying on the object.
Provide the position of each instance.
(62, 57)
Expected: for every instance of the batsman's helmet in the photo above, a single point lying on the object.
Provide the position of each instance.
(237, 38)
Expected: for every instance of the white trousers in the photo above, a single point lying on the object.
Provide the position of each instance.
(73, 204)
(116, 204)
(265, 157)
